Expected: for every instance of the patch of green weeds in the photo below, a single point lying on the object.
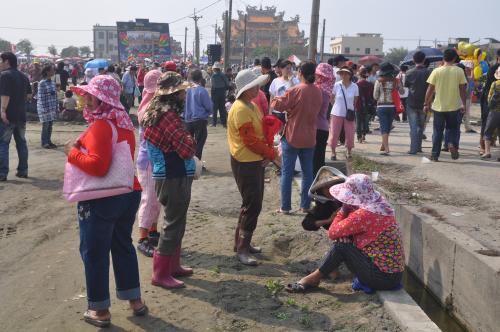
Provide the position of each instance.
(215, 271)
(304, 308)
(282, 315)
(291, 302)
(306, 321)
(360, 164)
(274, 287)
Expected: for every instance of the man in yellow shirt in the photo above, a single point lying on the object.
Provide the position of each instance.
(447, 84)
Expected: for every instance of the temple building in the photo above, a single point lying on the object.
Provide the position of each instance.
(268, 34)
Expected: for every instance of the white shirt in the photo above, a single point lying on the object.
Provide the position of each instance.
(279, 86)
(350, 93)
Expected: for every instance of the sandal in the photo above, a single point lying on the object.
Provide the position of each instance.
(385, 153)
(87, 316)
(297, 287)
(142, 311)
(284, 212)
(486, 156)
(333, 157)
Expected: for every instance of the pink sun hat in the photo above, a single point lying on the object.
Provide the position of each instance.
(103, 87)
(151, 80)
(150, 84)
(358, 191)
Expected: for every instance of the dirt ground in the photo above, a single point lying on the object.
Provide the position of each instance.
(41, 275)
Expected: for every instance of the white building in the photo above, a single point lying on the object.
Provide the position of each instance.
(105, 42)
(356, 47)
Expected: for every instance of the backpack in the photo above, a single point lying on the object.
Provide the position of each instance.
(494, 102)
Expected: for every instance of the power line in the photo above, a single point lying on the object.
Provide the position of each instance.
(198, 11)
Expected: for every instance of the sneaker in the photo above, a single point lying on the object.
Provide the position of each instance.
(411, 153)
(471, 131)
(145, 248)
(22, 175)
(434, 158)
(445, 149)
(424, 137)
(3, 178)
(52, 146)
(46, 146)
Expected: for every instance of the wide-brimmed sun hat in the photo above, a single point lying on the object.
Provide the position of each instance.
(151, 80)
(345, 69)
(497, 74)
(103, 87)
(358, 191)
(327, 176)
(247, 79)
(387, 69)
(171, 82)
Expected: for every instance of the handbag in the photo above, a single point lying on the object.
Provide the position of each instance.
(349, 115)
(396, 99)
(80, 186)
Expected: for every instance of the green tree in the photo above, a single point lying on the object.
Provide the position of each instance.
(52, 50)
(25, 46)
(85, 51)
(69, 52)
(4, 45)
(396, 55)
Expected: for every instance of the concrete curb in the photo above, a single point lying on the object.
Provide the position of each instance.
(449, 264)
(406, 312)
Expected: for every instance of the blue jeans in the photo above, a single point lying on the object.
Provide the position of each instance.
(288, 159)
(46, 132)
(416, 119)
(385, 117)
(106, 225)
(6, 132)
(447, 133)
(444, 120)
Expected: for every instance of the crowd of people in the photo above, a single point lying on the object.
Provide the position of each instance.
(273, 114)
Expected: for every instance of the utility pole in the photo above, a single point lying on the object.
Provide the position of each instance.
(323, 41)
(215, 35)
(227, 42)
(313, 33)
(185, 43)
(196, 37)
(244, 59)
(279, 41)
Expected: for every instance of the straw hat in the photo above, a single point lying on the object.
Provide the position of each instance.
(247, 79)
(170, 82)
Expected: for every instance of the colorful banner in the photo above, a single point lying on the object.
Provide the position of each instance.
(142, 39)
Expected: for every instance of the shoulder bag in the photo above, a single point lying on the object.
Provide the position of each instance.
(80, 186)
(349, 115)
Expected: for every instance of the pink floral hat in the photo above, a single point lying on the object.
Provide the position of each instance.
(104, 87)
(151, 81)
(358, 190)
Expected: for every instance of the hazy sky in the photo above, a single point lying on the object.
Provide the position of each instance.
(400, 22)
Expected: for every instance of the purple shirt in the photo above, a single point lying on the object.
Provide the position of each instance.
(322, 120)
(142, 156)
